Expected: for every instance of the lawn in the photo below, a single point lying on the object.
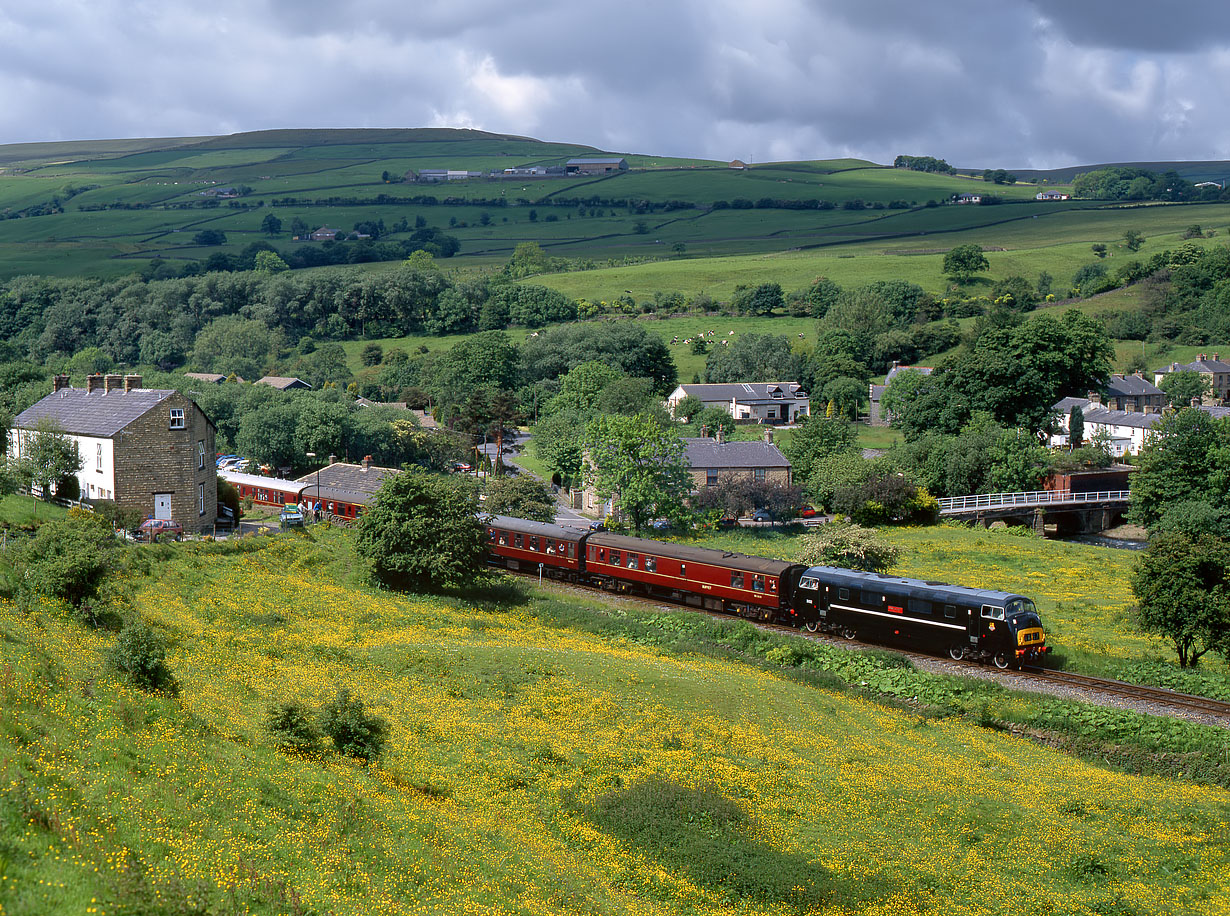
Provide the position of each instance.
(535, 767)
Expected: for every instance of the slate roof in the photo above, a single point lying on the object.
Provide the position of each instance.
(348, 478)
(1122, 418)
(1065, 406)
(1131, 386)
(709, 453)
(95, 413)
(745, 392)
(215, 377)
(922, 370)
(1200, 365)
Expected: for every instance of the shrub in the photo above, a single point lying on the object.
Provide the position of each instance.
(68, 559)
(140, 653)
(353, 731)
(850, 547)
(293, 727)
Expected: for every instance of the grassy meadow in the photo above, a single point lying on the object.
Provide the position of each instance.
(537, 764)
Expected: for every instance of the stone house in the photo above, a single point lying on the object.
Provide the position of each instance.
(146, 449)
(1215, 370)
(710, 459)
(877, 416)
(281, 382)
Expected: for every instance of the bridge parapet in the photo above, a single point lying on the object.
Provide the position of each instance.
(970, 505)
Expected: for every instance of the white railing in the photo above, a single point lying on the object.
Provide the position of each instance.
(955, 504)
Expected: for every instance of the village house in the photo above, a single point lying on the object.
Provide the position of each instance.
(323, 234)
(1215, 371)
(281, 382)
(710, 459)
(212, 378)
(343, 489)
(968, 198)
(751, 402)
(146, 449)
(876, 415)
(1051, 195)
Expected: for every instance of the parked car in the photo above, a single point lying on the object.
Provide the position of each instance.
(460, 467)
(809, 512)
(158, 529)
(291, 516)
(762, 515)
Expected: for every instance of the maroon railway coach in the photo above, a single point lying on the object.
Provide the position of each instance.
(264, 491)
(520, 544)
(716, 580)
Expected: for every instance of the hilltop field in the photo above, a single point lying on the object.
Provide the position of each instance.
(551, 753)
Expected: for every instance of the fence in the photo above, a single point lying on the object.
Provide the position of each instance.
(958, 504)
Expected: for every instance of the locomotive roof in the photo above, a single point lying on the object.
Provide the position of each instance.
(525, 526)
(723, 558)
(861, 579)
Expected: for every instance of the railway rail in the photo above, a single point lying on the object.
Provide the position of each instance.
(1105, 687)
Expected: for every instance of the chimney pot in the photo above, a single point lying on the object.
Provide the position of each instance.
(768, 435)
(721, 435)
(367, 462)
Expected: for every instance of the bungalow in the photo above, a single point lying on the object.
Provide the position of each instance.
(753, 402)
(1051, 195)
(281, 383)
(968, 198)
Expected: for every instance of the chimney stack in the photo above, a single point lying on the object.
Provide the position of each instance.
(367, 463)
(113, 382)
(132, 382)
(704, 432)
(1095, 399)
(721, 435)
(59, 383)
(93, 382)
(768, 435)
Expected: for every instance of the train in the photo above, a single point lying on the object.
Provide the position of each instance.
(1001, 628)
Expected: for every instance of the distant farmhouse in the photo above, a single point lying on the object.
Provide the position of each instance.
(147, 449)
(754, 402)
(281, 383)
(1051, 195)
(590, 166)
(595, 166)
(968, 198)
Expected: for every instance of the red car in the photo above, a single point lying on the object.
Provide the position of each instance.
(808, 512)
(159, 529)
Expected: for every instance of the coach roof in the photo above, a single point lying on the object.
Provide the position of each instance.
(725, 559)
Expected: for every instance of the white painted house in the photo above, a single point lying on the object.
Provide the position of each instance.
(753, 402)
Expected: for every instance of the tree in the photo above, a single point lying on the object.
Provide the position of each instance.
(1132, 240)
(583, 385)
(558, 443)
(846, 396)
(271, 225)
(423, 532)
(814, 439)
(1098, 249)
(1184, 386)
(848, 547)
(67, 559)
(209, 237)
(1185, 457)
(639, 464)
(962, 262)
(754, 358)
(1076, 428)
(1182, 588)
(372, 354)
(687, 407)
(762, 300)
(48, 458)
(521, 497)
(269, 262)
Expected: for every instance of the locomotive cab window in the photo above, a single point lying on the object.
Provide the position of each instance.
(992, 613)
(809, 582)
(736, 580)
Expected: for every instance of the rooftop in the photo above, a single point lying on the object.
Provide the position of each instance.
(349, 478)
(93, 413)
(745, 391)
(709, 453)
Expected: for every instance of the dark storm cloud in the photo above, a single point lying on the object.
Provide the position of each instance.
(1014, 84)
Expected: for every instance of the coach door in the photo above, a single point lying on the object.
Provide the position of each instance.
(162, 505)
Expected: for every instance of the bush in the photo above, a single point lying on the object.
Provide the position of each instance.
(849, 547)
(292, 727)
(140, 653)
(68, 559)
(354, 732)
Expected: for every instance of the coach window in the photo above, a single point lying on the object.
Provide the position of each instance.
(614, 557)
(572, 551)
(773, 586)
(560, 548)
(683, 570)
(758, 583)
(736, 580)
(632, 561)
(491, 534)
(950, 610)
(518, 540)
(601, 554)
(843, 594)
(503, 538)
(651, 564)
(533, 542)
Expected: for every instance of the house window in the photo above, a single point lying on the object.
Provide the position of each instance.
(177, 418)
(98, 453)
(758, 474)
(200, 499)
(200, 453)
(711, 478)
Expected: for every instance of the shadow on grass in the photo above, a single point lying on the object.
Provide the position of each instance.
(702, 834)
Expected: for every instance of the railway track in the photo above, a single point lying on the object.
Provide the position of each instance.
(1104, 687)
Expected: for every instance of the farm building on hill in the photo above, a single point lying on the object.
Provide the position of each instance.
(595, 166)
(282, 383)
(1051, 195)
(146, 449)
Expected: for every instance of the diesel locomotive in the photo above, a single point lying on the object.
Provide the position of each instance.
(981, 624)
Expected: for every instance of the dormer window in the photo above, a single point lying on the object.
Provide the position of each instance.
(177, 418)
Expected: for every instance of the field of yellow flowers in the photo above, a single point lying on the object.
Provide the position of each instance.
(531, 769)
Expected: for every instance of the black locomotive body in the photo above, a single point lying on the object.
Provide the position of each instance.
(994, 626)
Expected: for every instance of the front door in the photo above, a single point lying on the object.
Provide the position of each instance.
(162, 505)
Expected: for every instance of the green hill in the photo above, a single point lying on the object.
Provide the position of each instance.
(535, 766)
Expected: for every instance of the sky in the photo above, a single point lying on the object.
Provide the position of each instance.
(999, 84)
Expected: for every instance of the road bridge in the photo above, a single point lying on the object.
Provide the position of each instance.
(1072, 512)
